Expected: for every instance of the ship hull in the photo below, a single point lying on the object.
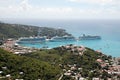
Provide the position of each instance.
(84, 37)
(62, 39)
(31, 40)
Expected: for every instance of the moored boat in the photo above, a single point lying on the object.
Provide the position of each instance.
(63, 38)
(31, 39)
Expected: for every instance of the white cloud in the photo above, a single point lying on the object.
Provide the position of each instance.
(25, 5)
(93, 1)
(98, 2)
(26, 10)
(6, 2)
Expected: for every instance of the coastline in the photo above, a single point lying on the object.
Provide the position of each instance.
(108, 47)
(16, 48)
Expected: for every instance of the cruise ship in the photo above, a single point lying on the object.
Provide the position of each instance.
(63, 38)
(36, 39)
(89, 37)
(31, 39)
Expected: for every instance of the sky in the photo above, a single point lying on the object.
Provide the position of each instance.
(60, 9)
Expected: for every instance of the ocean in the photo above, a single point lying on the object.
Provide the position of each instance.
(109, 30)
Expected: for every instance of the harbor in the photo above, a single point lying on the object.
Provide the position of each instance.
(11, 46)
(105, 46)
(110, 66)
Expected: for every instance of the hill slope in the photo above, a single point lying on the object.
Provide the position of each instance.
(19, 67)
(75, 62)
(48, 64)
(17, 30)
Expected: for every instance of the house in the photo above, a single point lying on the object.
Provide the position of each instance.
(95, 79)
(8, 75)
(1, 72)
(81, 78)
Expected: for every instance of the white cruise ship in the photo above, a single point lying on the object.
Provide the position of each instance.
(31, 39)
(63, 38)
(89, 37)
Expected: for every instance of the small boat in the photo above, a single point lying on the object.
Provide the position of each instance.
(45, 47)
(89, 37)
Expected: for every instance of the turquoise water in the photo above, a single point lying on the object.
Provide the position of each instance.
(108, 47)
(109, 30)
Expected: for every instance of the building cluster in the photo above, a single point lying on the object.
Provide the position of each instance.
(76, 50)
(7, 76)
(11, 46)
(112, 72)
(111, 67)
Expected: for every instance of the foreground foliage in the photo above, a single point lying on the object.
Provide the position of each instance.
(65, 58)
(30, 68)
(51, 64)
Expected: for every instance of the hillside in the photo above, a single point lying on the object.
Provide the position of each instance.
(67, 62)
(17, 30)
(14, 67)
(76, 62)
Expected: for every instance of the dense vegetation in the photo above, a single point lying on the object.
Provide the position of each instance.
(49, 64)
(17, 30)
(64, 57)
(27, 68)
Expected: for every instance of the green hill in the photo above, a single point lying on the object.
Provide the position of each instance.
(85, 65)
(20, 67)
(51, 64)
(17, 30)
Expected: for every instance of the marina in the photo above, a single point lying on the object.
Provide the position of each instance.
(103, 45)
